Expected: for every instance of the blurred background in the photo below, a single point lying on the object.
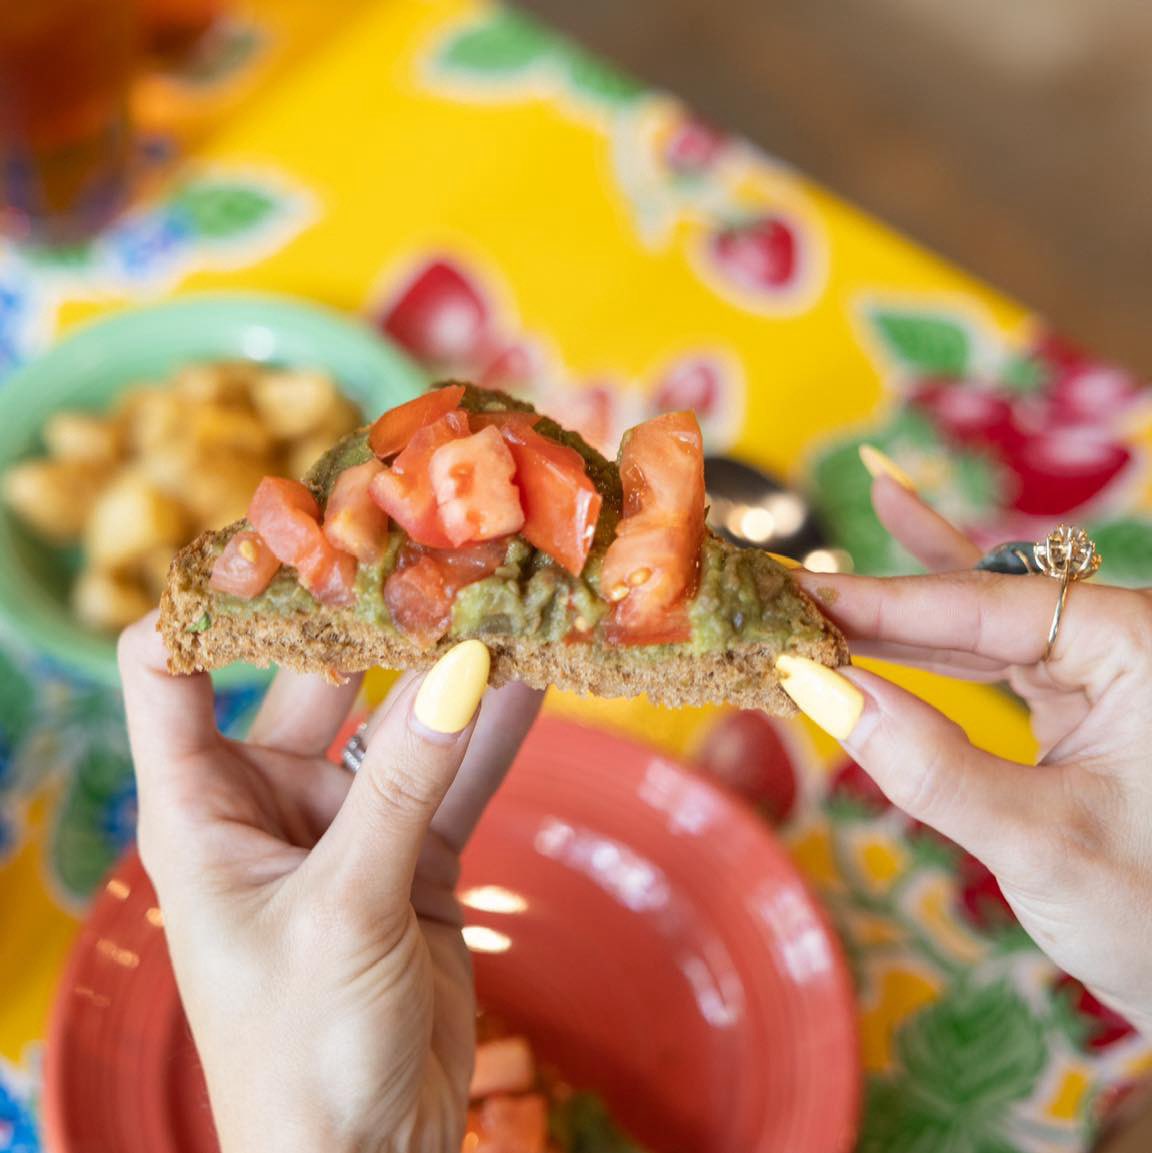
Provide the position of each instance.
(1014, 138)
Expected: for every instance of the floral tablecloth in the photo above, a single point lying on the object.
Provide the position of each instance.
(508, 207)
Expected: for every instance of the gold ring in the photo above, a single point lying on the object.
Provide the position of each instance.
(1069, 555)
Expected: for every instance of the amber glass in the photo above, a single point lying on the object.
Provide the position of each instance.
(66, 69)
(174, 26)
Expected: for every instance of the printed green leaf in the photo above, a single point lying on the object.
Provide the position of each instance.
(1125, 548)
(979, 1048)
(1024, 373)
(219, 211)
(17, 702)
(507, 41)
(926, 344)
(582, 1124)
(898, 1120)
(599, 80)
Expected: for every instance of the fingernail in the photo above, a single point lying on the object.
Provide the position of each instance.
(831, 700)
(453, 688)
(880, 464)
(789, 562)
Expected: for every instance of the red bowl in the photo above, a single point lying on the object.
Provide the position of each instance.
(643, 928)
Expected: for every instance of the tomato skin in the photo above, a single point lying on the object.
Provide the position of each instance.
(405, 491)
(420, 591)
(353, 521)
(475, 496)
(393, 431)
(512, 1124)
(651, 569)
(501, 420)
(560, 502)
(287, 517)
(246, 566)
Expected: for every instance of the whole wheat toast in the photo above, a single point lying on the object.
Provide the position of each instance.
(205, 629)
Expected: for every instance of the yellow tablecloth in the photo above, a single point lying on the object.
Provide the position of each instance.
(511, 208)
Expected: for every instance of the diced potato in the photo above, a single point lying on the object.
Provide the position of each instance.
(82, 436)
(130, 518)
(221, 383)
(54, 497)
(295, 404)
(152, 569)
(214, 429)
(505, 1065)
(155, 419)
(109, 601)
(217, 490)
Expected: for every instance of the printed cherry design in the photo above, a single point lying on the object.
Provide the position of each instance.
(441, 318)
(513, 368)
(693, 147)
(852, 783)
(760, 256)
(694, 382)
(982, 901)
(1099, 1027)
(745, 752)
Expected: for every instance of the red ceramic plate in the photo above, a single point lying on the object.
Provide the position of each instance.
(643, 929)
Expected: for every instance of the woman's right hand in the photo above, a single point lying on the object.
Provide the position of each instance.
(1069, 838)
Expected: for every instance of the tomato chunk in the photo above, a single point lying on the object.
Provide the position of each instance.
(405, 491)
(353, 521)
(651, 568)
(475, 496)
(479, 420)
(512, 1124)
(560, 502)
(396, 428)
(503, 1066)
(420, 591)
(287, 516)
(246, 566)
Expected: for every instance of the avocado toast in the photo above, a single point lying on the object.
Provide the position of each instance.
(465, 514)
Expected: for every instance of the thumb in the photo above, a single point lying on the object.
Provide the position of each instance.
(367, 857)
(925, 764)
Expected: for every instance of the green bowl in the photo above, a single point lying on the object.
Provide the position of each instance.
(93, 365)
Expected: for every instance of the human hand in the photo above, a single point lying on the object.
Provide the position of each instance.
(310, 914)
(1070, 838)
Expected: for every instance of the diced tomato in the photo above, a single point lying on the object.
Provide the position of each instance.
(419, 601)
(472, 479)
(246, 566)
(353, 521)
(395, 429)
(287, 516)
(479, 420)
(513, 1124)
(503, 1066)
(420, 592)
(561, 504)
(651, 568)
(405, 491)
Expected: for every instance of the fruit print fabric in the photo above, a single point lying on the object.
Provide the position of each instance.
(507, 207)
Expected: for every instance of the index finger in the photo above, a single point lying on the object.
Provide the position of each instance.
(1004, 618)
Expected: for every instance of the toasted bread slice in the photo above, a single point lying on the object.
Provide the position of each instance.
(731, 658)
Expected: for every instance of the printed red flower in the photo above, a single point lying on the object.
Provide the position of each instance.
(760, 256)
(982, 902)
(745, 752)
(853, 783)
(513, 367)
(441, 318)
(1099, 1027)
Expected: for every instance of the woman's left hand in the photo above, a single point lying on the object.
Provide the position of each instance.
(310, 913)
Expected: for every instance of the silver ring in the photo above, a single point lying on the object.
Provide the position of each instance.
(352, 755)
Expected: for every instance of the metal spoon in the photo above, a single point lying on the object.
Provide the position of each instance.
(753, 509)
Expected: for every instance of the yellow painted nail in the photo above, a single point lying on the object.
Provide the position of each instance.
(785, 561)
(831, 700)
(880, 464)
(453, 688)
